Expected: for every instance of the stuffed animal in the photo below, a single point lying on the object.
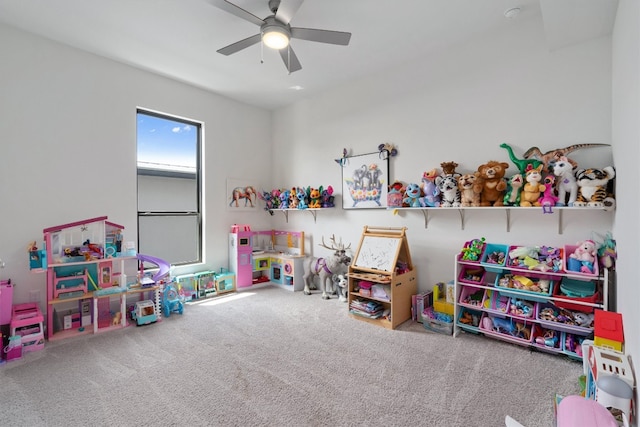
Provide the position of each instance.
(583, 319)
(493, 184)
(285, 196)
(412, 195)
(566, 183)
(302, 196)
(532, 189)
(449, 191)
(448, 168)
(327, 197)
(430, 189)
(548, 198)
(469, 191)
(293, 198)
(514, 187)
(522, 164)
(586, 251)
(592, 184)
(395, 194)
(314, 195)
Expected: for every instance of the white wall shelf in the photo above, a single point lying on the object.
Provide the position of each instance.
(507, 209)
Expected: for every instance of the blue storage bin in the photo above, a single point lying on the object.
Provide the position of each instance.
(494, 257)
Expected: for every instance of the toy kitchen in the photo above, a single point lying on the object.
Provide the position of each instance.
(266, 257)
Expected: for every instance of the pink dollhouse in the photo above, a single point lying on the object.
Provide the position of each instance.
(84, 257)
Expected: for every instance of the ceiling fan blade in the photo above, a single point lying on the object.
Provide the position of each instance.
(287, 9)
(238, 46)
(322, 36)
(290, 59)
(237, 11)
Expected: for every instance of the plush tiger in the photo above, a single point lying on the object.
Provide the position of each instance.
(592, 187)
(449, 191)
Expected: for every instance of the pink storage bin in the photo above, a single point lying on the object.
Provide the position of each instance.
(495, 301)
(471, 274)
(465, 256)
(554, 262)
(471, 297)
(576, 267)
(365, 288)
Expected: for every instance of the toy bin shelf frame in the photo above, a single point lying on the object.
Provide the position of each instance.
(464, 288)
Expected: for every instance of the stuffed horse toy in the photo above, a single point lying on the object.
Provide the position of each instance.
(326, 268)
(566, 183)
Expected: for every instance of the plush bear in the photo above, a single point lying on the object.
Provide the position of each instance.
(493, 184)
(533, 188)
(592, 187)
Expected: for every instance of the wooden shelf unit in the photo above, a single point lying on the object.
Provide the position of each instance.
(383, 258)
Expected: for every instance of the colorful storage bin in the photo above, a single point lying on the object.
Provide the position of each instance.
(471, 274)
(531, 288)
(494, 257)
(593, 299)
(495, 301)
(472, 251)
(579, 268)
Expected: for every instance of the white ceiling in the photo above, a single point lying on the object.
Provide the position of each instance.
(179, 38)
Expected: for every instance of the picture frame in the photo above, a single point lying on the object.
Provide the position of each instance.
(241, 195)
(365, 181)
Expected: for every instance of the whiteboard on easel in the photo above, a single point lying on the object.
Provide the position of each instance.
(378, 253)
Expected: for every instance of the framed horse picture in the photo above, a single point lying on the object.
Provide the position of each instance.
(241, 195)
(365, 180)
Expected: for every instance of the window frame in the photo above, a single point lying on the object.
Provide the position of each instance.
(198, 213)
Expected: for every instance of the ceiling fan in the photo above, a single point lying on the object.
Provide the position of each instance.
(275, 31)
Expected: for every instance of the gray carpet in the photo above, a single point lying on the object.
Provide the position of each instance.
(270, 357)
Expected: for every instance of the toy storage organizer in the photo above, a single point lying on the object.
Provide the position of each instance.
(522, 301)
(27, 322)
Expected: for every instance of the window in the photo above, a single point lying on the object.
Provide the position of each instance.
(169, 198)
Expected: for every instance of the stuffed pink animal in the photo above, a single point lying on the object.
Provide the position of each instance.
(586, 251)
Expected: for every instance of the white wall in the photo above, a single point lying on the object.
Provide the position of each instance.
(625, 136)
(68, 130)
(459, 106)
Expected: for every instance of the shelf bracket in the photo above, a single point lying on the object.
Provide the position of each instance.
(461, 212)
(286, 215)
(560, 227)
(313, 213)
(425, 212)
(508, 212)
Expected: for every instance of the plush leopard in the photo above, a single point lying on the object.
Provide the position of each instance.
(449, 191)
(592, 187)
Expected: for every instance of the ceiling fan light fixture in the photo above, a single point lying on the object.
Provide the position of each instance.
(275, 37)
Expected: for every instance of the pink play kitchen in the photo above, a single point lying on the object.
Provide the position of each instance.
(269, 256)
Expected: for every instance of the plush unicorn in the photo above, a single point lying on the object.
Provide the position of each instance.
(567, 184)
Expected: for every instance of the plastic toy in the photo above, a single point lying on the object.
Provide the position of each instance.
(473, 250)
(493, 184)
(592, 187)
(430, 189)
(532, 189)
(171, 301)
(470, 189)
(566, 184)
(522, 164)
(449, 191)
(553, 156)
(412, 195)
(514, 188)
(144, 313)
(548, 198)
(325, 268)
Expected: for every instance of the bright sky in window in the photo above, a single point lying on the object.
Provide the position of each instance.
(166, 144)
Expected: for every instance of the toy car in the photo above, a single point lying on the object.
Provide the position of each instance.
(144, 312)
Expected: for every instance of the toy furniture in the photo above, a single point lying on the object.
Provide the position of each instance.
(225, 282)
(28, 323)
(205, 284)
(187, 285)
(267, 257)
(86, 283)
(144, 312)
(383, 257)
(610, 380)
(171, 300)
(530, 296)
(608, 331)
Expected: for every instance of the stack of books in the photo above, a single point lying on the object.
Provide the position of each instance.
(366, 308)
